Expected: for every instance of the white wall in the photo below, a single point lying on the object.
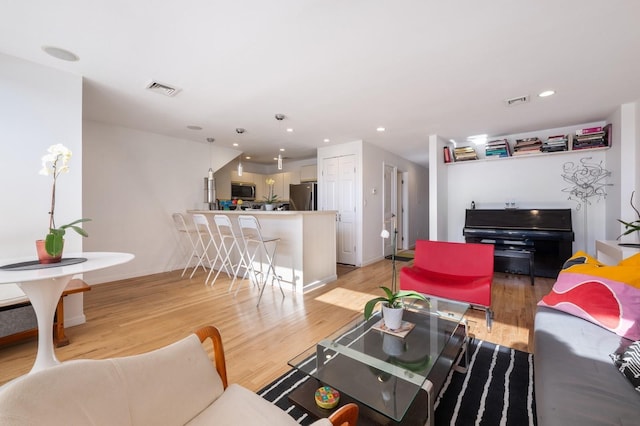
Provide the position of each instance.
(39, 107)
(624, 160)
(133, 182)
(532, 181)
(438, 194)
(417, 181)
(369, 175)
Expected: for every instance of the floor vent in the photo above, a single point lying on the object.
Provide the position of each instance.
(163, 89)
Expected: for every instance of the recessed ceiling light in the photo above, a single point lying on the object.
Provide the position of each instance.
(281, 149)
(248, 157)
(194, 127)
(546, 93)
(235, 144)
(326, 140)
(59, 53)
(289, 130)
(380, 129)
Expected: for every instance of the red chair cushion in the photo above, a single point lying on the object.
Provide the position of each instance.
(456, 271)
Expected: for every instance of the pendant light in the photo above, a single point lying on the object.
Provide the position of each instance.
(211, 187)
(280, 117)
(240, 130)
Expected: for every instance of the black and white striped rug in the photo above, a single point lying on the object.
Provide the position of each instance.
(496, 390)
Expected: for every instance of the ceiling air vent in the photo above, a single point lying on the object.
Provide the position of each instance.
(163, 89)
(517, 101)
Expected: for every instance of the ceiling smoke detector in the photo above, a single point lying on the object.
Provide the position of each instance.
(517, 101)
(163, 89)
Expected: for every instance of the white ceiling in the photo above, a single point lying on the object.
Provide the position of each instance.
(337, 68)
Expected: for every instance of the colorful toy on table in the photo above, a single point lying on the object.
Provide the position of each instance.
(327, 397)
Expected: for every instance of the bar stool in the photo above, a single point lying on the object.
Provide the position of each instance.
(207, 239)
(183, 229)
(254, 242)
(230, 245)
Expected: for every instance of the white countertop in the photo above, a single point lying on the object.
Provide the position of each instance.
(265, 212)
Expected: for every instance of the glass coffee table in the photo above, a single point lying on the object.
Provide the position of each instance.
(391, 378)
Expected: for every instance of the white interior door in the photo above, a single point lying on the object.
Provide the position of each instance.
(339, 178)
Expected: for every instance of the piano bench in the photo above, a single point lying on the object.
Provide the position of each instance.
(518, 253)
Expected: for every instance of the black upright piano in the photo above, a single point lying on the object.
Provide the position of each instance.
(546, 234)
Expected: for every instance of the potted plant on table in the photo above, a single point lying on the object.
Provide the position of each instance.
(272, 198)
(392, 301)
(53, 164)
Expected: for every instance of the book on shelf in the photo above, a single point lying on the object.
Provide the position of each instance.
(555, 143)
(589, 130)
(465, 153)
(526, 152)
(447, 155)
(497, 148)
(527, 144)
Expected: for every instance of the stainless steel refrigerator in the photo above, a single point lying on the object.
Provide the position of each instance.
(303, 196)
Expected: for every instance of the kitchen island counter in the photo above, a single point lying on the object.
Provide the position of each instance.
(306, 254)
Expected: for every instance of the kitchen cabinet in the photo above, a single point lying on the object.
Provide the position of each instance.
(309, 173)
(247, 177)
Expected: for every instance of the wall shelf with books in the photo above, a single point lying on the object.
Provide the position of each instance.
(558, 141)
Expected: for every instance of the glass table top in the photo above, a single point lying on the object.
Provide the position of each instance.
(379, 369)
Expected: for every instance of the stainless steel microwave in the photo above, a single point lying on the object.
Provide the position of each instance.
(243, 191)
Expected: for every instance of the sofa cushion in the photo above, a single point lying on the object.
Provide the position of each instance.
(84, 392)
(575, 381)
(582, 258)
(240, 406)
(605, 295)
(170, 385)
(628, 364)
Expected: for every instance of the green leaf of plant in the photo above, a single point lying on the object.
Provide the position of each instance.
(368, 308)
(408, 294)
(53, 243)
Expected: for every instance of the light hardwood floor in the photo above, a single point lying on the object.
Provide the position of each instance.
(137, 315)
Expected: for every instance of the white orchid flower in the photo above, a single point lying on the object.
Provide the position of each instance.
(56, 161)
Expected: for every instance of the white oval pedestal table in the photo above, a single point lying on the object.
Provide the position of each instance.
(44, 287)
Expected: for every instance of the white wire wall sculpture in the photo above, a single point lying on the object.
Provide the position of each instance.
(588, 180)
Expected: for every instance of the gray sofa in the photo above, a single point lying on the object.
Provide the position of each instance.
(576, 382)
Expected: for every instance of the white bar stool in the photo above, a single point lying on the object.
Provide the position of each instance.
(183, 229)
(207, 239)
(230, 245)
(255, 242)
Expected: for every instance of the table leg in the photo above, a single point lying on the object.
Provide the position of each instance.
(44, 295)
(428, 387)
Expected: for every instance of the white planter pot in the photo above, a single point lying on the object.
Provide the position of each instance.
(392, 345)
(268, 206)
(392, 317)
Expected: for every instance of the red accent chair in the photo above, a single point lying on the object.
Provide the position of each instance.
(455, 271)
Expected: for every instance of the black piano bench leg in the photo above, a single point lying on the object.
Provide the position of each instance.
(531, 271)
